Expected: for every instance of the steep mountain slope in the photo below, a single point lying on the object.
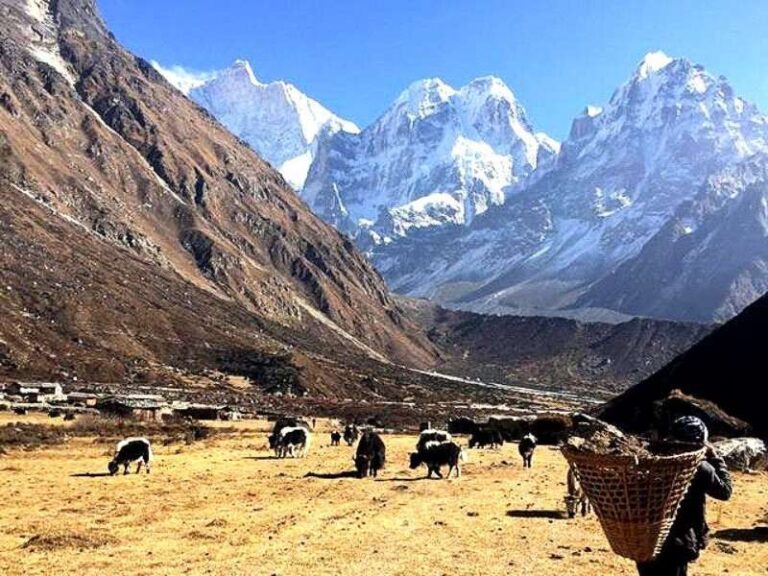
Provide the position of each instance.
(136, 229)
(552, 353)
(625, 173)
(437, 156)
(280, 122)
(727, 367)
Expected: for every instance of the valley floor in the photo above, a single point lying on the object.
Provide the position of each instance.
(224, 506)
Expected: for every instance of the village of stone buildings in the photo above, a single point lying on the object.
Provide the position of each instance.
(53, 399)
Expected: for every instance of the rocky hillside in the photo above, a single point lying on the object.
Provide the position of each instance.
(138, 234)
(710, 259)
(726, 368)
(552, 353)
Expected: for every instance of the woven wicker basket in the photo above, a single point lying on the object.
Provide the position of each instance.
(636, 500)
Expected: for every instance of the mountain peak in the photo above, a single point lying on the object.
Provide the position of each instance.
(242, 69)
(487, 83)
(653, 62)
(490, 86)
(422, 95)
(592, 111)
(277, 119)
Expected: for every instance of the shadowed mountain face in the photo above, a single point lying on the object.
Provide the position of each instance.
(136, 231)
(727, 368)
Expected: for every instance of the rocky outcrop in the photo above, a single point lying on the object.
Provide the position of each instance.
(743, 454)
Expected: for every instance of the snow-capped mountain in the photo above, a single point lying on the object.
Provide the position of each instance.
(280, 122)
(626, 174)
(437, 156)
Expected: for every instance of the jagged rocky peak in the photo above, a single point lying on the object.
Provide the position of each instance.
(487, 91)
(239, 71)
(665, 91)
(492, 85)
(668, 110)
(653, 62)
(423, 96)
(437, 156)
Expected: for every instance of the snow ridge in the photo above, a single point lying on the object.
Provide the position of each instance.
(281, 123)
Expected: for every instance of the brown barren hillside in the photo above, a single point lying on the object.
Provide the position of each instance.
(553, 353)
(137, 231)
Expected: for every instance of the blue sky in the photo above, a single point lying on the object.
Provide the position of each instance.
(356, 57)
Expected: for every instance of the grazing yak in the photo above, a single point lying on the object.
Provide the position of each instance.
(275, 442)
(128, 451)
(526, 448)
(292, 441)
(350, 434)
(431, 437)
(371, 455)
(576, 497)
(335, 438)
(436, 455)
(482, 438)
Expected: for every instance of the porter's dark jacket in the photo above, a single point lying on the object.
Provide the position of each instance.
(689, 533)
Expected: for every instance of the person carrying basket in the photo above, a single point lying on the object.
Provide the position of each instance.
(689, 533)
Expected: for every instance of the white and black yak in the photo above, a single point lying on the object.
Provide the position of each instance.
(371, 455)
(436, 455)
(288, 446)
(293, 441)
(431, 437)
(351, 434)
(128, 451)
(526, 447)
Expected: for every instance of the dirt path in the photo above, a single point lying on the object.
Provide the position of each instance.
(225, 507)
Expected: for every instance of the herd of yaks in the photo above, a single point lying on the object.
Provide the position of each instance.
(434, 449)
(292, 438)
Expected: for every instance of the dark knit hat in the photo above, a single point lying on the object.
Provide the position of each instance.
(690, 429)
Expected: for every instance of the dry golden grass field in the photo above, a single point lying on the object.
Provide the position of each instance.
(224, 506)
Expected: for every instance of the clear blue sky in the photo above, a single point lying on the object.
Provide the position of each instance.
(356, 56)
